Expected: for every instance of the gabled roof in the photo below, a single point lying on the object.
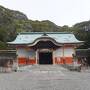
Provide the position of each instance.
(33, 37)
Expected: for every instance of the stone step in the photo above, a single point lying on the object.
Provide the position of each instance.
(41, 68)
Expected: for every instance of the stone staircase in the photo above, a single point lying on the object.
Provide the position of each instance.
(42, 68)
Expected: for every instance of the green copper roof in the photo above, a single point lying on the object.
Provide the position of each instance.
(31, 37)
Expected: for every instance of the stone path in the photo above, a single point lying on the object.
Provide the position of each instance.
(44, 77)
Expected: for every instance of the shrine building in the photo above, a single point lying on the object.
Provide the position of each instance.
(45, 47)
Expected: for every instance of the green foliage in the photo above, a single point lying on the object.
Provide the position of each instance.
(82, 34)
(3, 45)
(44, 26)
(12, 22)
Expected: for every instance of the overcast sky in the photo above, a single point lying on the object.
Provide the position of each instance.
(61, 12)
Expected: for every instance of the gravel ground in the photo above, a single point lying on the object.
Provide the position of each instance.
(45, 78)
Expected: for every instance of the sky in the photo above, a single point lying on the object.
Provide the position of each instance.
(61, 12)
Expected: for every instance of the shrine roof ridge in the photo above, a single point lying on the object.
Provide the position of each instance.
(46, 32)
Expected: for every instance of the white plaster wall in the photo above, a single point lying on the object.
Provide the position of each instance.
(31, 53)
(68, 51)
(58, 52)
(25, 53)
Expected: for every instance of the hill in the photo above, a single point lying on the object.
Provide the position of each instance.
(13, 22)
(82, 32)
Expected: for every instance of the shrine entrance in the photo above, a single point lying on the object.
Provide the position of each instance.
(45, 58)
(44, 51)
